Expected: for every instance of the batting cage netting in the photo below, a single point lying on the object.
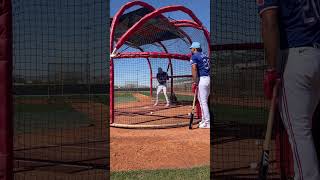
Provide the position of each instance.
(240, 108)
(142, 40)
(60, 78)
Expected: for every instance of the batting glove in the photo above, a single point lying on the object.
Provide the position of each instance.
(194, 87)
(270, 78)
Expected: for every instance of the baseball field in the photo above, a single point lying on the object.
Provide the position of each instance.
(71, 133)
(67, 136)
(175, 153)
(162, 152)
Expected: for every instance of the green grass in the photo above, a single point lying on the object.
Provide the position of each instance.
(240, 114)
(198, 173)
(124, 97)
(63, 98)
(38, 117)
(42, 108)
(104, 99)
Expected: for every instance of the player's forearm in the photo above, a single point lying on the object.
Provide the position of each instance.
(194, 74)
(270, 36)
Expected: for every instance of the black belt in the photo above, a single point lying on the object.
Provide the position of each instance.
(314, 45)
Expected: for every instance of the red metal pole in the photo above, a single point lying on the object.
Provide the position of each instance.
(111, 91)
(6, 125)
(130, 31)
(180, 57)
(114, 23)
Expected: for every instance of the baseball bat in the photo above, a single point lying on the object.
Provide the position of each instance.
(193, 105)
(264, 161)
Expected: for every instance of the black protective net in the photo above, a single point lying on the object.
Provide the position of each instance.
(60, 89)
(135, 94)
(133, 97)
(154, 30)
(239, 105)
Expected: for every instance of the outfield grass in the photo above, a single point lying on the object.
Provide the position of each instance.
(42, 107)
(198, 173)
(240, 114)
(124, 97)
(38, 117)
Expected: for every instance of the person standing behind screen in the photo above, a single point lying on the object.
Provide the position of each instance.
(162, 78)
(201, 79)
(292, 28)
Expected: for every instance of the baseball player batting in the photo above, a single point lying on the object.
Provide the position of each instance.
(162, 78)
(291, 35)
(201, 79)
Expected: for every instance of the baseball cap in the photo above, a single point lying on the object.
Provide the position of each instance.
(195, 45)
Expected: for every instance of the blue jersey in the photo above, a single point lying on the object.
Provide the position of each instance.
(203, 63)
(299, 21)
(162, 78)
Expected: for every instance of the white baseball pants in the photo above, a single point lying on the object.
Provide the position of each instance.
(203, 95)
(299, 96)
(164, 89)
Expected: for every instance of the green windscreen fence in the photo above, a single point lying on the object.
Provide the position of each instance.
(61, 91)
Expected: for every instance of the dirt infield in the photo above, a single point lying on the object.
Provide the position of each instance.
(158, 149)
(147, 114)
(52, 152)
(235, 157)
(142, 112)
(74, 154)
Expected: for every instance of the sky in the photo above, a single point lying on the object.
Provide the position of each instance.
(136, 71)
(201, 10)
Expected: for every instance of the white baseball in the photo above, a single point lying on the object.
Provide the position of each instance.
(258, 142)
(253, 165)
(151, 112)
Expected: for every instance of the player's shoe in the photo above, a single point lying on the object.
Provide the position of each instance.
(204, 125)
(167, 105)
(155, 104)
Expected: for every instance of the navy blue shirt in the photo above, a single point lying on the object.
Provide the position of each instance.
(299, 21)
(162, 78)
(203, 63)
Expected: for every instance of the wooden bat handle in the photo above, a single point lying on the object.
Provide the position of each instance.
(267, 139)
(194, 99)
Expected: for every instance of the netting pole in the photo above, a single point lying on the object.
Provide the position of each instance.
(111, 90)
(6, 126)
(151, 90)
(171, 72)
